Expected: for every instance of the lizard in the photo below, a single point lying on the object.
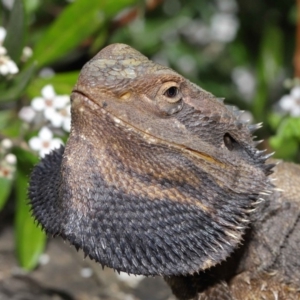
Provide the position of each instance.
(160, 178)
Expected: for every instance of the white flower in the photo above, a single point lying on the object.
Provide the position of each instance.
(244, 81)
(224, 27)
(26, 53)
(46, 73)
(61, 117)
(54, 108)
(8, 3)
(7, 166)
(187, 64)
(49, 102)
(291, 103)
(11, 159)
(7, 66)
(7, 171)
(3, 50)
(197, 32)
(2, 35)
(27, 114)
(6, 143)
(44, 142)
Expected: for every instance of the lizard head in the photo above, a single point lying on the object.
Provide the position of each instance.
(158, 176)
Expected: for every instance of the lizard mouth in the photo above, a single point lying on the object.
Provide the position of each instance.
(150, 138)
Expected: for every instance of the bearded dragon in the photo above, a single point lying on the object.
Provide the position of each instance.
(160, 177)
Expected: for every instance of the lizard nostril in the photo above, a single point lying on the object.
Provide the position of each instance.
(229, 141)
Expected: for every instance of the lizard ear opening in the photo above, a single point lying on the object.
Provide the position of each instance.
(229, 142)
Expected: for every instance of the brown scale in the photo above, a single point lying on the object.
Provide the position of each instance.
(159, 177)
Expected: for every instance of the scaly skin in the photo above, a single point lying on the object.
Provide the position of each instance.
(267, 265)
(159, 177)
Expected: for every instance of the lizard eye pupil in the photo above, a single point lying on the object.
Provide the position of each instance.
(171, 92)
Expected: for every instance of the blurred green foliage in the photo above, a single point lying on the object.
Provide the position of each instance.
(247, 66)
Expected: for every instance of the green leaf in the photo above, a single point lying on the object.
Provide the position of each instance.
(63, 83)
(5, 116)
(30, 239)
(271, 55)
(15, 38)
(77, 22)
(99, 40)
(31, 5)
(269, 67)
(18, 86)
(5, 189)
(26, 159)
(284, 148)
(274, 120)
(289, 128)
(287, 139)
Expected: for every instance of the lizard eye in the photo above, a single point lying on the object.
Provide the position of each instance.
(171, 92)
(169, 98)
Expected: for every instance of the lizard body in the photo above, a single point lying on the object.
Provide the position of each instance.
(159, 177)
(266, 266)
